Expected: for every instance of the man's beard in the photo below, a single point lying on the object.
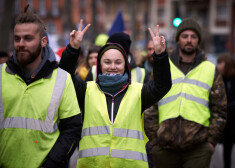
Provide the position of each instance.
(188, 52)
(24, 59)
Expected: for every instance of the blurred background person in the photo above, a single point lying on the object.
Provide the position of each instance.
(3, 57)
(148, 63)
(226, 65)
(87, 63)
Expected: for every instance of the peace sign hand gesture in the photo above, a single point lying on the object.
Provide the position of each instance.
(158, 42)
(77, 36)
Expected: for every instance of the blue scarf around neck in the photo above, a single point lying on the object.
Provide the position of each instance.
(112, 83)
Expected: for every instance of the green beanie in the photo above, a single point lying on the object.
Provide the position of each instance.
(188, 24)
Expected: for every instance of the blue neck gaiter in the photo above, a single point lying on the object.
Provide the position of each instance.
(112, 83)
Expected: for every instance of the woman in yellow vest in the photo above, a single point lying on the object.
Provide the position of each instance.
(112, 134)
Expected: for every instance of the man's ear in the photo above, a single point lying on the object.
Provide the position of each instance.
(44, 41)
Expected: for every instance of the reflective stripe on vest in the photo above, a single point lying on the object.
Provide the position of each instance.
(114, 153)
(138, 74)
(186, 96)
(119, 132)
(93, 71)
(192, 81)
(95, 130)
(189, 95)
(46, 126)
(128, 155)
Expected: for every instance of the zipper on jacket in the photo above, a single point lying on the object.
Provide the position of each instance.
(112, 104)
(112, 110)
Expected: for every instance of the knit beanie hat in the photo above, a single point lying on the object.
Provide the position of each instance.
(188, 24)
(122, 39)
(111, 46)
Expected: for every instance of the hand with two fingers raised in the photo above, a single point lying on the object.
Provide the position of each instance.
(158, 42)
(76, 36)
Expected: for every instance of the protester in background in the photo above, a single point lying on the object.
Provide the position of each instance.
(3, 57)
(226, 65)
(148, 63)
(86, 64)
(101, 39)
(40, 121)
(112, 105)
(192, 115)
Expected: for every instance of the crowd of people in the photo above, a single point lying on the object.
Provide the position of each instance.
(105, 111)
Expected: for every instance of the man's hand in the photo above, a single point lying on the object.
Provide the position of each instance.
(158, 42)
(77, 36)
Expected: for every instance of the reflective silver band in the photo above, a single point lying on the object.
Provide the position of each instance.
(191, 81)
(95, 130)
(177, 80)
(196, 99)
(45, 126)
(124, 154)
(138, 74)
(93, 152)
(128, 155)
(119, 132)
(197, 83)
(93, 71)
(168, 99)
(186, 96)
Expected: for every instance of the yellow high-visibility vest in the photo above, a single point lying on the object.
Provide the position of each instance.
(114, 145)
(189, 95)
(29, 116)
(138, 74)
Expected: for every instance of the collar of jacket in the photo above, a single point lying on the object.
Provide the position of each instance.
(46, 70)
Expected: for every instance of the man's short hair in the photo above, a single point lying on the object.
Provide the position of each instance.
(29, 17)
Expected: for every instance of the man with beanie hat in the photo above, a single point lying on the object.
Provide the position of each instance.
(138, 74)
(192, 115)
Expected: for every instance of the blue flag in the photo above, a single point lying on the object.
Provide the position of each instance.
(118, 24)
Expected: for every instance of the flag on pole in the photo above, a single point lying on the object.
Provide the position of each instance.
(118, 24)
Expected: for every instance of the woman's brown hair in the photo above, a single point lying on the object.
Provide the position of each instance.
(229, 67)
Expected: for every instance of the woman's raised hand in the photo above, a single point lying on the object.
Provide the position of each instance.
(158, 42)
(77, 36)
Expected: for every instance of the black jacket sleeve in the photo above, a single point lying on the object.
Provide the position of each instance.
(70, 134)
(68, 63)
(89, 76)
(155, 89)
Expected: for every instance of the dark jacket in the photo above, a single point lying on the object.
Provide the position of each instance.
(70, 128)
(229, 133)
(151, 92)
(178, 133)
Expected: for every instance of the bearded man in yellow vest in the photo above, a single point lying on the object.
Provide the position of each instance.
(39, 113)
(112, 106)
(192, 115)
